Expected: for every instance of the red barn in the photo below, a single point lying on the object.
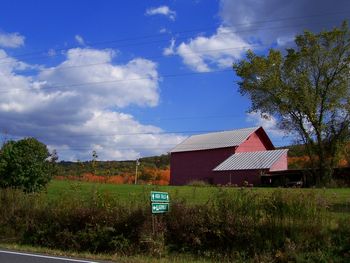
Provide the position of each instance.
(226, 157)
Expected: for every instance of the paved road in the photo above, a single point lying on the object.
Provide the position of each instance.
(8, 256)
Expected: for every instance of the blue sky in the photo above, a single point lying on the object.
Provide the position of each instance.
(133, 78)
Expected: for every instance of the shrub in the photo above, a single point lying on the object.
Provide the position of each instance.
(198, 183)
(26, 164)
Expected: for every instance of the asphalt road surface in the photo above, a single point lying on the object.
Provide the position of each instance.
(8, 256)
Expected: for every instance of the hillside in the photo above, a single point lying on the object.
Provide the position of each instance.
(153, 169)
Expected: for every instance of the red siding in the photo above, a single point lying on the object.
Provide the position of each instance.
(237, 177)
(196, 165)
(255, 142)
(281, 164)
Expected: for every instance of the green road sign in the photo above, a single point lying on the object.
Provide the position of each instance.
(159, 197)
(158, 208)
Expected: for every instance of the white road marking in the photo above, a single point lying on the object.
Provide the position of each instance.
(42, 256)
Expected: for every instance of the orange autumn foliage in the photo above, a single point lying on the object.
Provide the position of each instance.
(304, 161)
(298, 162)
(116, 179)
(156, 176)
(343, 163)
(90, 177)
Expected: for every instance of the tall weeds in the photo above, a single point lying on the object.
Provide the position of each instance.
(284, 224)
(248, 222)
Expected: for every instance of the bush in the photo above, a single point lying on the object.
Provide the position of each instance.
(198, 183)
(25, 164)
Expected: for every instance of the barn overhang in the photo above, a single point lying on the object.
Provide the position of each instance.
(261, 160)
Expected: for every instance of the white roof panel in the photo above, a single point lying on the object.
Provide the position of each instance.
(251, 160)
(214, 140)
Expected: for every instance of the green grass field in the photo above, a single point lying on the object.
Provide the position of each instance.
(338, 198)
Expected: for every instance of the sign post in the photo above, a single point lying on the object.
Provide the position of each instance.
(159, 205)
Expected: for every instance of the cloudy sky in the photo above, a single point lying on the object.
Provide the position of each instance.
(133, 79)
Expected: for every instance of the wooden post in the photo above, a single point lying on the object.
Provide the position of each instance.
(137, 164)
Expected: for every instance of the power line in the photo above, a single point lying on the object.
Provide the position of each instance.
(140, 147)
(162, 56)
(188, 117)
(141, 133)
(162, 146)
(119, 81)
(187, 31)
(152, 57)
(103, 82)
(194, 30)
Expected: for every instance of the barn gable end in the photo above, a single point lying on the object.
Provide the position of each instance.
(257, 141)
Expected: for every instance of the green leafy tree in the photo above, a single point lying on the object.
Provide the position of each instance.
(307, 90)
(26, 164)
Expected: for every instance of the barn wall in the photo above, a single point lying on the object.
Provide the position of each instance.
(196, 165)
(255, 142)
(237, 177)
(281, 164)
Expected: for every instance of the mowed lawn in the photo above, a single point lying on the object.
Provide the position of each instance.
(338, 198)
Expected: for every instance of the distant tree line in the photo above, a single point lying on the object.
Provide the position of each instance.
(106, 168)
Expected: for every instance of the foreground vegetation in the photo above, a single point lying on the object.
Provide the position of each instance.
(222, 224)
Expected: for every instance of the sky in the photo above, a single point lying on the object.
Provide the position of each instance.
(130, 79)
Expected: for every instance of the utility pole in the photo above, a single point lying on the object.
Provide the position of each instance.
(137, 164)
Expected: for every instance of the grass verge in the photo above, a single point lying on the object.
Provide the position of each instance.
(175, 258)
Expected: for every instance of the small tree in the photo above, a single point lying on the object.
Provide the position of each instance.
(94, 162)
(307, 90)
(26, 164)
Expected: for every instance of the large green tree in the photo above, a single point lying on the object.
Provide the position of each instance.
(26, 164)
(307, 90)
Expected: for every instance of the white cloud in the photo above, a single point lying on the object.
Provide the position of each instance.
(133, 83)
(118, 136)
(268, 122)
(277, 22)
(171, 49)
(163, 30)
(161, 10)
(11, 40)
(80, 40)
(284, 40)
(255, 25)
(76, 119)
(219, 50)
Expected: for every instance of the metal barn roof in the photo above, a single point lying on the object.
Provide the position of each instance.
(251, 160)
(214, 140)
